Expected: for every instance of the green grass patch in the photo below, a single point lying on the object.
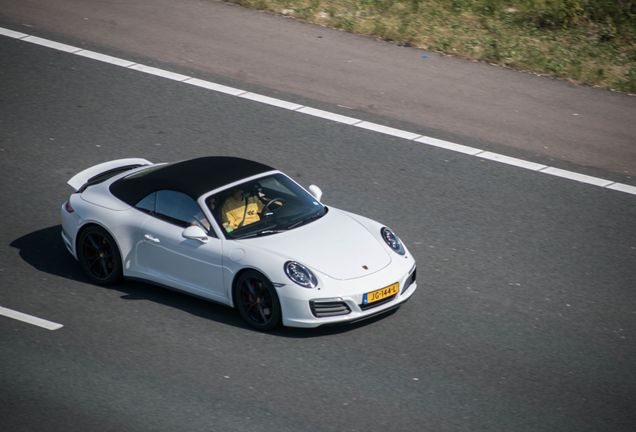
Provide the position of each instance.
(591, 42)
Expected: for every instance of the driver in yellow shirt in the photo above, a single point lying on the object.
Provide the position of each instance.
(238, 211)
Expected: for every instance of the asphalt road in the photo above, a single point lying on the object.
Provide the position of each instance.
(524, 319)
(518, 111)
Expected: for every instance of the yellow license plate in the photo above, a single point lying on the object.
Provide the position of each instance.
(381, 294)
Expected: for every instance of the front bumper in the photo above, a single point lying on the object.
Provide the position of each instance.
(305, 308)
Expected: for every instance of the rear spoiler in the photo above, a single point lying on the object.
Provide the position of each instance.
(78, 180)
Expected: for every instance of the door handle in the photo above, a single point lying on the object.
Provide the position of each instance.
(151, 238)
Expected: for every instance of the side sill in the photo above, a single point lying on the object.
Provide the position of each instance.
(160, 285)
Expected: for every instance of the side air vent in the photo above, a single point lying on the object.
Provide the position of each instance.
(328, 308)
(409, 281)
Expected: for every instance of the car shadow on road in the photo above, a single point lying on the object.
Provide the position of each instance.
(45, 251)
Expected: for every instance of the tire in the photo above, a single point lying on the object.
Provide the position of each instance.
(99, 255)
(257, 301)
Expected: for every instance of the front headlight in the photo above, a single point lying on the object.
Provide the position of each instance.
(300, 274)
(392, 240)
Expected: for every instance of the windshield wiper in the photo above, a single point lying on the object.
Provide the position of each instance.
(260, 233)
(309, 219)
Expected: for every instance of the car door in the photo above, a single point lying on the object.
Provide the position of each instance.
(169, 258)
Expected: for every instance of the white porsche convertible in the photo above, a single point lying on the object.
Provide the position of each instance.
(236, 232)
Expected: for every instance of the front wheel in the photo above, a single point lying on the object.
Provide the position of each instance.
(99, 256)
(257, 301)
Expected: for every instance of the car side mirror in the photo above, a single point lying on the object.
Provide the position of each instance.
(195, 232)
(315, 192)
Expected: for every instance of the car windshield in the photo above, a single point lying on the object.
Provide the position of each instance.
(269, 205)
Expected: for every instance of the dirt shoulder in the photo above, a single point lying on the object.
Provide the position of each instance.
(587, 126)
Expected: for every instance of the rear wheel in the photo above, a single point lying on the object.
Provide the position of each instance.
(99, 256)
(257, 301)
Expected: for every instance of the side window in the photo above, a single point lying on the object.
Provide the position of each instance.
(178, 208)
(148, 204)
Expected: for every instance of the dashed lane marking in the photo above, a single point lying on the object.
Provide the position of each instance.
(49, 325)
(410, 136)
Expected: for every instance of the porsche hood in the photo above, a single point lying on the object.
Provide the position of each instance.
(335, 245)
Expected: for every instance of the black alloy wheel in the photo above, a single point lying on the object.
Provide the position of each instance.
(99, 256)
(257, 301)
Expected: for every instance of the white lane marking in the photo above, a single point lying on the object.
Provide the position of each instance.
(623, 188)
(449, 146)
(387, 130)
(577, 177)
(512, 161)
(105, 58)
(215, 87)
(159, 72)
(29, 319)
(620, 187)
(50, 44)
(271, 101)
(329, 115)
(12, 34)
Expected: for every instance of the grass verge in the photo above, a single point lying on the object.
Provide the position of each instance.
(589, 42)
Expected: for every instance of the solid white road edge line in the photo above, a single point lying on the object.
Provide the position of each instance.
(49, 325)
(271, 101)
(577, 177)
(410, 136)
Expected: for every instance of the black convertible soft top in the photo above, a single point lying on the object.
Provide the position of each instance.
(192, 177)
